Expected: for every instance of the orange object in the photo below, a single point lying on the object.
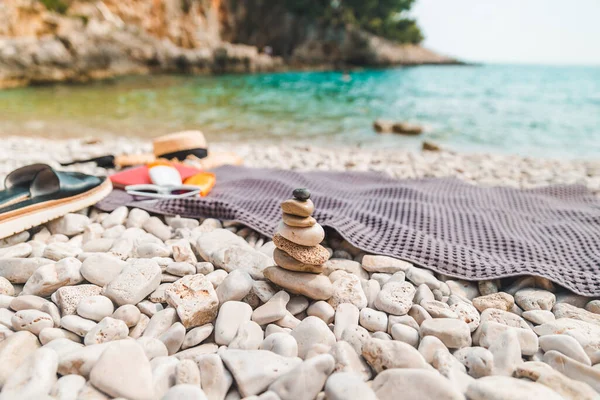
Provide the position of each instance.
(204, 180)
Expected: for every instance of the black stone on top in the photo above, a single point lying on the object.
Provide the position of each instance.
(301, 194)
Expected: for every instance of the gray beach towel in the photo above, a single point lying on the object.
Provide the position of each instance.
(446, 225)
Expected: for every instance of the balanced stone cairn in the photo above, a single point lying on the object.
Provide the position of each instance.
(299, 255)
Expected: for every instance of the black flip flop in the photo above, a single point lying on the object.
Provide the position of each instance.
(17, 183)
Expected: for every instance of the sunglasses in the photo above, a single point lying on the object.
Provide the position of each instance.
(163, 192)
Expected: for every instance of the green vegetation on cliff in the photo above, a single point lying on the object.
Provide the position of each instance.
(384, 18)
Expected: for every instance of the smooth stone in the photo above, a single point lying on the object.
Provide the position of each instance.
(539, 317)
(298, 208)
(296, 221)
(156, 227)
(249, 337)
(27, 302)
(235, 286)
(478, 361)
(373, 320)
(77, 325)
(348, 360)
(151, 250)
(273, 310)
(232, 315)
(21, 250)
(350, 266)
(123, 371)
(414, 384)
(196, 336)
(506, 351)
(215, 378)
(348, 386)
(438, 309)
(322, 310)
(195, 300)
(69, 225)
(153, 347)
(158, 296)
(454, 333)
(546, 375)
(395, 298)
(255, 370)
(173, 337)
(310, 236)
(347, 289)
(297, 305)
(429, 346)
(95, 307)
(68, 297)
(100, 269)
(14, 350)
(405, 334)
(137, 280)
(285, 261)
(566, 345)
(573, 369)
(593, 306)
(107, 330)
(77, 359)
(34, 378)
(136, 218)
(19, 270)
(301, 194)
(68, 387)
(490, 332)
(311, 331)
(315, 255)
(180, 269)
(535, 299)
(418, 314)
(280, 343)
(49, 334)
(305, 381)
(160, 322)
(185, 392)
(563, 310)
(187, 373)
(507, 388)
(139, 328)
(242, 258)
(32, 321)
(346, 315)
(288, 321)
(6, 288)
(149, 308)
(420, 276)
(117, 217)
(502, 301)
(58, 250)
(384, 264)
(183, 253)
(217, 277)
(316, 287)
(208, 243)
(64, 346)
(52, 310)
(386, 354)
(195, 352)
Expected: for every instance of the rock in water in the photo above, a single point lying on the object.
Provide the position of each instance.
(255, 370)
(195, 300)
(124, 371)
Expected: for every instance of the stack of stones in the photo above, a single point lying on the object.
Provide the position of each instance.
(299, 255)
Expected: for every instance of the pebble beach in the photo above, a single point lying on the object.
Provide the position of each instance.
(132, 306)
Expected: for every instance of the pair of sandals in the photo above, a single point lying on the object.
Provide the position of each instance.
(37, 193)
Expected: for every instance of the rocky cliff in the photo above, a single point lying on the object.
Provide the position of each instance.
(79, 40)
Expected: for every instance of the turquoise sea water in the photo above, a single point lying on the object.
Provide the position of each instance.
(527, 110)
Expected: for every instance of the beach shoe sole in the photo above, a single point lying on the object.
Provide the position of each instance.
(37, 214)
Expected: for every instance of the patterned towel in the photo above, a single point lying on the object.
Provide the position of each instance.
(446, 225)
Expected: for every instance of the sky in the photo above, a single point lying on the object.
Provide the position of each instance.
(513, 31)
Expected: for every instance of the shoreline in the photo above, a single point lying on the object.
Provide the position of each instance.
(477, 168)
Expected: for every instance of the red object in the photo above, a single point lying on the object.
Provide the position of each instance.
(140, 176)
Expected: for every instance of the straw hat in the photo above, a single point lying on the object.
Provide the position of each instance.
(180, 145)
